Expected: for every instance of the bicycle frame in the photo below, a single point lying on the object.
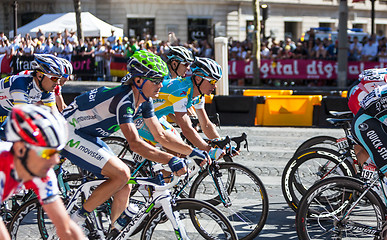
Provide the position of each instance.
(161, 196)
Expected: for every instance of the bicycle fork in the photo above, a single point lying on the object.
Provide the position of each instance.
(217, 178)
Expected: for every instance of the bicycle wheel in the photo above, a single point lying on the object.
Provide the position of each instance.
(322, 216)
(249, 201)
(119, 146)
(200, 220)
(24, 224)
(319, 141)
(308, 167)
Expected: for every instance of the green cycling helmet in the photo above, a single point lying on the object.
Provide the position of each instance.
(148, 65)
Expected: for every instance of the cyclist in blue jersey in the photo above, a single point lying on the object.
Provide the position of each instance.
(37, 85)
(179, 58)
(103, 111)
(178, 61)
(177, 95)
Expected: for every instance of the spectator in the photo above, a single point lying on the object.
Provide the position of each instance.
(39, 33)
(286, 52)
(2, 36)
(132, 48)
(320, 51)
(112, 39)
(300, 52)
(58, 48)
(275, 49)
(119, 47)
(332, 50)
(28, 49)
(265, 51)
(49, 46)
(3, 49)
(369, 51)
(382, 55)
(39, 48)
(68, 50)
(355, 49)
(310, 48)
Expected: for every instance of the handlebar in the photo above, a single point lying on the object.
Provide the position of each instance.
(227, 140)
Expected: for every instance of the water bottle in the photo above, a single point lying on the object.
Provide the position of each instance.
(126, 216)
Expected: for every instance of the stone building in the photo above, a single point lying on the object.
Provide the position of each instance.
(199, 19)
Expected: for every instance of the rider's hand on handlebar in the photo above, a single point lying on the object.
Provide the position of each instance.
(201, 157)
(178, 166)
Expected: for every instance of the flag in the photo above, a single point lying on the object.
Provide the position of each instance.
(5, 63)
(118, 66)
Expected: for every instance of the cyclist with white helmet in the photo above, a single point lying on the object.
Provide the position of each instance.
(178, 61)
(36, 135)
(103, 111)
(177, 95)
(31, 87)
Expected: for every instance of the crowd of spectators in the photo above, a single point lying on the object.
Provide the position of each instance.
(367, 49)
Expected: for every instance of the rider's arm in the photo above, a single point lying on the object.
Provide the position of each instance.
(183, 120)
(65, 227)
(166, 138)
(206, 125)
(3, 231)
(141, 147)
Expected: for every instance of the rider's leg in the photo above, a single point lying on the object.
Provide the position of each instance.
(118, 175)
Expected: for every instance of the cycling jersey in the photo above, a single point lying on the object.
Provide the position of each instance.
(365, 86)
(21, 89)
(45, 188)
(99, 113)
(375, 103)
(175, 96)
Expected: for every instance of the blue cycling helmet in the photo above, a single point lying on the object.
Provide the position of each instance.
(48, 64)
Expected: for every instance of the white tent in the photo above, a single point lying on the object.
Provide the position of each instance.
(58, 22)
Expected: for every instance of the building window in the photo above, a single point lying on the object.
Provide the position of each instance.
(292, 30)
(141, 27)
(199, 29)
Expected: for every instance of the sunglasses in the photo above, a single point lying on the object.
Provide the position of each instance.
(211, 80)
(155, 81)
(186, 64)
(43, 152)
(51, 77)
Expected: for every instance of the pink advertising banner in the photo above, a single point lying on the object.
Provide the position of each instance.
(298, 69)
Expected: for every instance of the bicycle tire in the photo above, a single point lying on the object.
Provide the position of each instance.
(317, 219)
(22, 225)
(118, 145)
(199, 218)
(248, 212)
(318, 141)
(306, 168)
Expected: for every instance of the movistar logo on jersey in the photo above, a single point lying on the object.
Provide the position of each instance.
(115, 127)
(73, 122)
(72, 144)
(129, 110)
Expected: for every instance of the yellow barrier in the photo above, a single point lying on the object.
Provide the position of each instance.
(264, 92)
(288, 110)
(344, 94)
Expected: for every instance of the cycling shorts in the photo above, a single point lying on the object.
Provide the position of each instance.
(146, 134)
(371, 133)
(88, 152)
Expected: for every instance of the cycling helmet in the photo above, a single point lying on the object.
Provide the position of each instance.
(180, 53)
(146, 64)
(48, 63)
(208, 67)
(68, 67)
(36, 125)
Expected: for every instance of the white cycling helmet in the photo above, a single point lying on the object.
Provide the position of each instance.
(208, 67)
(180, 53)
(36, 125)
(49, 64)
(68, 67)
